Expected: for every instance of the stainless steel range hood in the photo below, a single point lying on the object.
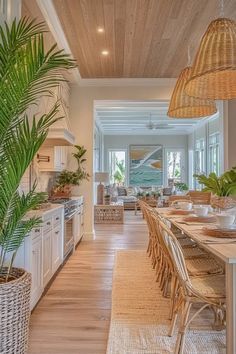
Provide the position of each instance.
(59, 137)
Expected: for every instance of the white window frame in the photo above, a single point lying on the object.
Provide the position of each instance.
(183, 163)
(214, 143)
(126, 163)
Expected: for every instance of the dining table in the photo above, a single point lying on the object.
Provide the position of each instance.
(224, 249)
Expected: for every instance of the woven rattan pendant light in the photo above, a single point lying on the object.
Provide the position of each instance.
(213, 73)
(184, 106)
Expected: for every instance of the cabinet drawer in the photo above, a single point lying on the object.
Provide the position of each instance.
(56, 219)
(36, 232)
(47, 225)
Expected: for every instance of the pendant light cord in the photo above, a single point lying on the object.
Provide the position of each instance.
(189, 56)
(222, 13)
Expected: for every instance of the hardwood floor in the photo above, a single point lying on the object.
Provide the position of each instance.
(73, 317)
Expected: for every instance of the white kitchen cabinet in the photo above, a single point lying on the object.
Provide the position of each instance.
(29, 257)
(77, 227)
(47, 258)
(56, 248)
(41, 253)
(52, 158)
(36, 270)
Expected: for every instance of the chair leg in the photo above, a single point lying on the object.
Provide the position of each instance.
(179, 348)
(149, 247)
(173, 290)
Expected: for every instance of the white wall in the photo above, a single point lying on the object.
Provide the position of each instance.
(122, 142)
(231, 134)
(82, 123)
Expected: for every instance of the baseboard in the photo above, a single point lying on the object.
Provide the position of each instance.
(89, 235)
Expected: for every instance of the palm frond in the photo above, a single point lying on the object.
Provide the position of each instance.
(27, 72)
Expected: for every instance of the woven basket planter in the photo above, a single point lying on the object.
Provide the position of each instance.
(222, 202)
(15, 313)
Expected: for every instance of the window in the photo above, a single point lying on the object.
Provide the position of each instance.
(175, 164)
(200, 159)
(214, 153)
(200, 156)
(117, 166)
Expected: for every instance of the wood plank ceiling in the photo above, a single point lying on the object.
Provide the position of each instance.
(144, 38)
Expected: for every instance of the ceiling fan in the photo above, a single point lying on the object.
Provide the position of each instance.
(151, 126)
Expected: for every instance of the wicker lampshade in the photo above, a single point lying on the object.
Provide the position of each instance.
(184, 106)
(214, 69)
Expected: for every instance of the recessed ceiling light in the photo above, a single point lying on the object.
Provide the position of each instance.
(100, 29)
(105, 52)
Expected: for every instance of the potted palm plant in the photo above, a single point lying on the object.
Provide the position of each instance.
(27, 72)
(223, 188)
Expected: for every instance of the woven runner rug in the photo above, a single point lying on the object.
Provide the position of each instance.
(139, 320)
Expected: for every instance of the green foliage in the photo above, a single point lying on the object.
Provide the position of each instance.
(73, 178)
(181, 186)
(67, 178)
(223, 186)
(79, 156)
(27, 72)
(119, 175)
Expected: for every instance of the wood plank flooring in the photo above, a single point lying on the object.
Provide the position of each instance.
(74, 315)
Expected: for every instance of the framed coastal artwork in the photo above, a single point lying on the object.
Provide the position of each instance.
(146, 165)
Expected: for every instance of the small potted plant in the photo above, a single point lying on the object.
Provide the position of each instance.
(181, 187)
(147, 195)
(223, 188)
(66, 180)
(140, 195)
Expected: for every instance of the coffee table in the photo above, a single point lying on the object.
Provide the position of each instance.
(109, 214)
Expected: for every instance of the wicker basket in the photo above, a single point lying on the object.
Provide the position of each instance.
(222, 202)
(15, 313)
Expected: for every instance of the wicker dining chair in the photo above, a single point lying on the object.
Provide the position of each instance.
(153, 247)
(173, 199)
(199, 197)
(197, 265)
(206, 291)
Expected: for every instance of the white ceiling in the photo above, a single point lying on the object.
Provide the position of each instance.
(131, 118)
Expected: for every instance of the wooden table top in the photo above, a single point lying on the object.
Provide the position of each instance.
(224, 248)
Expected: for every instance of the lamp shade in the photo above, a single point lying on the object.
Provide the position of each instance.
(213, 73)
(102, 177)
(183, 106)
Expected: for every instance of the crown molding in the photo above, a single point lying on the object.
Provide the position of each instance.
(50, 15)
(119, 82)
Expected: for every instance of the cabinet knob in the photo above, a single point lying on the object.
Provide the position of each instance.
(48, 223)
(57, 232)
(57, 218)
(37, 230)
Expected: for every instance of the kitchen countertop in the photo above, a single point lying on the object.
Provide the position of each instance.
(45, 211)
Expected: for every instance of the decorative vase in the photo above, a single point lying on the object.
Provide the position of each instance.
(15, 312)
(222, 202)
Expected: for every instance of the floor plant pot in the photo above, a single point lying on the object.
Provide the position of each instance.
(15, 312)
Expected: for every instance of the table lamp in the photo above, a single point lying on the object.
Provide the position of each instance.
(101, 177)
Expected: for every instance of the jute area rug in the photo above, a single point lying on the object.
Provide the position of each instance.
(139, 320)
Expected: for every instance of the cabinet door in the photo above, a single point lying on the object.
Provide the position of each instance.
(36, 270)
(47, 257)
(64, 153)
(56, 248)
(57, 158)
(77, 227)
